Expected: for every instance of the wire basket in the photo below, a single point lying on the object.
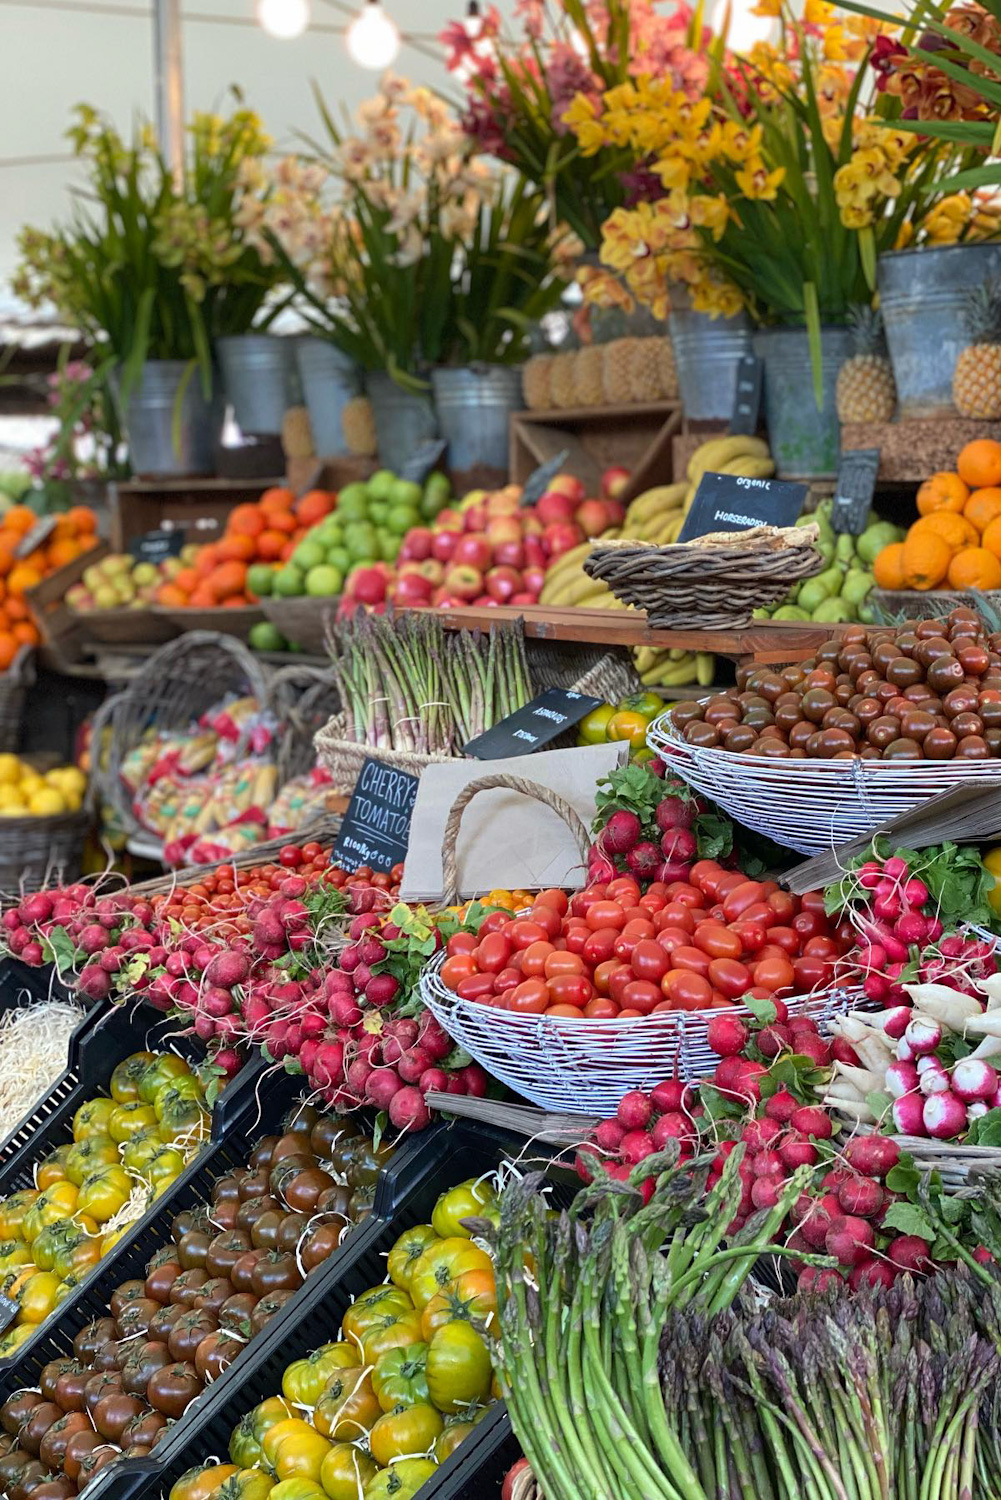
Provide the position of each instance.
(811, 805)
(586, 1066)
(717, 580)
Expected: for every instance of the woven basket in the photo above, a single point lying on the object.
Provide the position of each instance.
(14, 685)
(304, 699)
(716, 581)
(322, 831)
(35, 852)
(578, 1066)
(930, 604)
(302, 621)
(345, 758)
(602, 673)
(180, 681)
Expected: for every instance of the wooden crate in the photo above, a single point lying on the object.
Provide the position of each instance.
(598, 437)
(198, 507)
(61, 628)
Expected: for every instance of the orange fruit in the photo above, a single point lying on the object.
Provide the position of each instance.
(270, 545)
(237, 548)
(975, 568)
(207, 559)
(943, 491)
(203, 596)
(82, 520)
(313, 506)
(982, 506)
(228, 578)
(22, 577)
(15, 607)
(172, 595)
(956, 530)
(235, 601)
(888, 569)
(8, 649)
(991, 538)
(288, 549)
(7, 558)
(26, 634)
(282, 520)
(979, 463)
(185, 579)
(63, 551)
(19, 519)
(245, 520)
(926, 561)
(276, 500)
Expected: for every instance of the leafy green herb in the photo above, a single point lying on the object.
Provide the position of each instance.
(986, 1131)
(59, 948)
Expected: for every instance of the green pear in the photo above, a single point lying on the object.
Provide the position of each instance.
(833, 611)
(874, 539)
(844, 549)
(790, 612)
(858, 582)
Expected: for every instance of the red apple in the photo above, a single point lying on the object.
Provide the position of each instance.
(449, 520)
(503, 529)
(531, 525)
(535, 553)
(485, 601)
(520, 600)
(474, 550)
(592, 517)
(368, 585)
(555, 506)
(443, 544)
(432, 570)
(559, 539)
(443, 599)
(615, 511)
(464, 581)
(475, 518)
(532, 580)
(502, 582)
(412, 589)
(509, 554)
(416, 544)
(568, 484)
(614, 481)
(504, 503)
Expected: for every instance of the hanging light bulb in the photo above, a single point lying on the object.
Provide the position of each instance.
(373, 38)
(283, 19)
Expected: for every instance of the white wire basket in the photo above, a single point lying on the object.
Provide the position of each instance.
(586, 1066)
(811, 805)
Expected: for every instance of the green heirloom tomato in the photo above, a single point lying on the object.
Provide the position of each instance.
(345, 1470)
(407, 1251)
(248, 1484)
(402, 1481)
(140, 1149)
(459, 1371)
(87, 1155)
(305, 1380)
(171, 1093)
(164, 1069)
(127, 1120)
(466, 1201)
(399, 1377)
(404, 1431)
(126, 1077)
(92, 1118)
(104, 1193)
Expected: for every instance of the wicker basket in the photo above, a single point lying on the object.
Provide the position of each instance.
(345, 758)
(35, 852)
(930, 604)
(579, 1066)
(180, 681)
(602, 673)
(305, 622)
(322, 831)
(716, 581)
(14, 685)
(304, 699)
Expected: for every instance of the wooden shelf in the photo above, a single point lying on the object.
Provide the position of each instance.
(910, 451)
(595, 438)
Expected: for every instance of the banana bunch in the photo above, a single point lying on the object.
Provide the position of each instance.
(567, 585)
(674, 667)
(657, 514)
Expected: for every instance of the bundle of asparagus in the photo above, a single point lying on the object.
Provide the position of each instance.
(407, 685)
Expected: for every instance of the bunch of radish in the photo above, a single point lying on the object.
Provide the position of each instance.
(938, 1057)
(642, 1125)
(101, 933)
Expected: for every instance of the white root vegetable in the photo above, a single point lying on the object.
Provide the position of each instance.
(948, 1007)
(992, 989)
(858, 1111)
(867, 1081)
(34, 1041)
(873, 1054)
(988, 1023)
(989, 1047)
(842, 1088)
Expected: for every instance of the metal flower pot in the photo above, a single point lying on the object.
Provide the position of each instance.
(259, 376)
(706, 353)
(922, 295)
(805, 441)
(403, 419)
(330, 379)
(474, 406)
(167, 437)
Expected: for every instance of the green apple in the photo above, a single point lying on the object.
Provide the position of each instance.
(323, 581)
(338, 557)
(266, 637)
(406, 492)
(289, 582)
(362, 542)
(352, 503)
(144, 573)
(401, 518)
(330, 532)
(389, 546)
(309, 554)
(380, 486)
(378, 511)
(260, 579)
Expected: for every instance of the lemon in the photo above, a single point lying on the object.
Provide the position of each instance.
(31, 782)
(46, 803)
(10, 798)
(10, 770)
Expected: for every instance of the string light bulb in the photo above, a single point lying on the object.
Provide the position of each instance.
(284, 19)
(373, 37)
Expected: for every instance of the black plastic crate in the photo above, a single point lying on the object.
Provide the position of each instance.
(414, 1183)
(37, 981)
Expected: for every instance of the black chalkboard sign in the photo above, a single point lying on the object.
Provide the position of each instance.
(534, 726)
(747, 396)
(8, 1312)
(857, 470)
(423, 460)
(37, 536)
(376, 826)
(729, 502)
(539, 480)
(154, 546)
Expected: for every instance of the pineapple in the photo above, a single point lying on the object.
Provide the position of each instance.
(536, 378)
(589, 376)
(562, 392)
(297, 435)
(976, 380)
(358, 426)
(668, 369)
(866, 391)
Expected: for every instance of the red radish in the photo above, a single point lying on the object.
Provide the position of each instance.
(973, 1080)
(673, 1093)
(909, 1252)
(894, 1022)
(915, 892)
(861, 1196)
(933, 1078)
(908, 1114)
(635, 1110)
(413, 1065)
(813, 1047)
(328, 1066)
(643, 860)
(229, 1060)
(871, 956)
(216, 1002)
(407, 1110)
(895, 868)
(811, 1120)
(747, 1082)
(621, 833)
(768, 1163)
(765, 1192)
(901, 1078)
(227, 969)
(432, 1079)
(812, 1280)
(343, 1008)
(911, 928)
(757, 1134)
(672, 870)
(727, 1036)
(599, 870)
(674, 812)
(814, 1227)
(876, 987)
(944, 1116)
(781, 1106)
(678, 845)
(608, 1136)
(204, 1028)
(434, 1039)
(874, 1155)
(772, 1040)
(111, 960)
(93, 982)
(636, 1146)
(849, 1239)
(307, 1056)
(356, 1076)
(475, 1080)
(797, 1151)
(381, 989)
(380, 1086)
(671, 1127)
(871, 1273)
(36, 908)
(842, 1051)
(983, 1256)
(268, 932)
(93, 938)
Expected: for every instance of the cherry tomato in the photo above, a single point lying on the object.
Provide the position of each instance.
(652, 903)
(523, 932)
(461, 942)
(601, 974)
(649, 960)
(731, 978)
(760, 912)
(730, 880)
(786, 938)
(563, 963)
(601, 1008)
(691, 959)
(772, 950)
(570, 989)
(774, 974)
(507, 979)
(675, 914)
(618, 978)
(821, 947)
(813, 901)
(476, 987)
(312, 852)
(642, 995)
(845, 935)
(600, 946)
(623, 889)
(528, 998)
(784, 905)
(493, 953)
(584, 899)
(810, 924)
(453, 970)
(605, 914)
(625, 943)
(557, 899)
(494, 923)
(638, 914)
(533, 958)
(548, 919)
(716, 940)
(740, 898)
(810, 973)
(685, 990)
(702, 871)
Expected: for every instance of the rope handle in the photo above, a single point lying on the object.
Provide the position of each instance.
(543, 794)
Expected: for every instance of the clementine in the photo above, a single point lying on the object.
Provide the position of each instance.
(82, 519)
(982, 506)
(314, 505)
(270, 545)
(979, 463)
(22, 577)
(282, 520)
(991, 538)
(19, 519)
(888, 569)
(926, 561)
(228, 578)
(15, 607)
(237, 548)
(206, 560)
(8, 649)
(171, 595)
(943, 491)
(277, 500)
(26, 633)
(246, 520)
(956, 530)
(975, 568)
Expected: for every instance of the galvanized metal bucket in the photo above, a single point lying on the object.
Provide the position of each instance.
(805, 441)
(259, 376)
(922, 296)
(403, 419)
(706, 352)
(148, 417)
(474, 406)
(330, 379)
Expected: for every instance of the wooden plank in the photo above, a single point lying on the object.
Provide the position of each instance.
(911, 450)
(567, 416)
